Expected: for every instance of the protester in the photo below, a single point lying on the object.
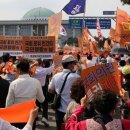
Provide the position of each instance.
(77, 91)
(25, 87)
(109, 58)
(68, 63)
(4, 87)
(105, 102)
(122, 63)
(4, 125)
(126, 76)
(89, 61)
(103, 60)
(41, 74)
(8, 68)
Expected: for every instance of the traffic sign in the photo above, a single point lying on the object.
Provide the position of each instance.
(89, 23)
(109, 12)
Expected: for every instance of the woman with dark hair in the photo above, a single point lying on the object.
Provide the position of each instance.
(77, 92)
(105, 102)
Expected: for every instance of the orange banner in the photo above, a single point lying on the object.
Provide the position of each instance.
(107, 46)
(79, 42)
(57, 60)
(94, 47)
(123, 25)
(38, 44)
(10, 43)
(18, 113)
(116, 37)
(85, 36)
(54, 23)
(105, 76)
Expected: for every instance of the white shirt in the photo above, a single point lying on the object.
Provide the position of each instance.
(24, 88)
(41, 73)
(90, 63)
(109, 59)
(4, 125)
(56, 84)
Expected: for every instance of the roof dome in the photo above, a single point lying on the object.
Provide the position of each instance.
(38, 13)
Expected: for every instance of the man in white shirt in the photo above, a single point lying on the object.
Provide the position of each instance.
(89, 61)
(40, 74)
(25, 87)
(68, 63)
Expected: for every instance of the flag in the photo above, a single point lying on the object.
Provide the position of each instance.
(107, 46)
(99, 30)
(54, 23)
(90, 39)
(75, 7)
(63, 31)
(122, 16)
(94, 48)
(123, 26)
(84, 36)
(79, 42)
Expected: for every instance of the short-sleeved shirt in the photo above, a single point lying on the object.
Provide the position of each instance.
(56, 84)
(24, 88)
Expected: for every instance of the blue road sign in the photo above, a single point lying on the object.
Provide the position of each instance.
(109, 12)
(90, 23)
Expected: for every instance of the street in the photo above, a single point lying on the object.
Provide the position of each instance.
(51, 119)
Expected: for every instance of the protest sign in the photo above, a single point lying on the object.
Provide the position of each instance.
(18, 113)
(12, 45)
(105, 76)
(38, 47)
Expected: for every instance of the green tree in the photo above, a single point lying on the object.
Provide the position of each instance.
(126, 2)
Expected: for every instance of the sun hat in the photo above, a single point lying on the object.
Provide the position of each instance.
(68, 58)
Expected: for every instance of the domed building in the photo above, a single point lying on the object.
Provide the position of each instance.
(38, 14)
(33, 23)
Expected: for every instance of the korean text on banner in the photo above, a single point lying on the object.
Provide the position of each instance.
(18, 113)
(105, 76)
(38, 44)
(11, 44)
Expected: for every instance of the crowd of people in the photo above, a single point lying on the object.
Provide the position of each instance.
(23, 79)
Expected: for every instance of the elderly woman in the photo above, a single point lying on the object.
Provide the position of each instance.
(105, 102)
(77, 92)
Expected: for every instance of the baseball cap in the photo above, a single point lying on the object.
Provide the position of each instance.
(126, 70)
(68, 58)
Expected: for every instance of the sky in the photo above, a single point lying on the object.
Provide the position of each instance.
(15, 9)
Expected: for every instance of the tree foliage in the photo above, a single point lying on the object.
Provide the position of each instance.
(126, 2)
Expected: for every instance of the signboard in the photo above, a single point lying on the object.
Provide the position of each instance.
(12, 45)
(109, 12)
(75, 23)
(40, 47)
(90, 23)
(105, 76)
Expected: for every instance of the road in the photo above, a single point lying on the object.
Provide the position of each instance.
(51, 119)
